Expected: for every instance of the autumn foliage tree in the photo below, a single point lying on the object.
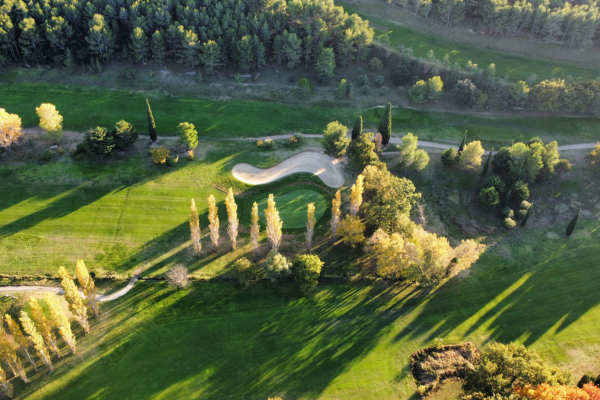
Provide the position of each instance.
(195, 229)
(335, 213)
(21, 343)
(61, 322)
(50, 120)
(72, 296)
(36, 339)
(544, 391)
(213, 219)
(232, 228)
(44, 327)
(7, 353)
(7, 387)
(356, 192)
(87, 285)
(254, 227)
(274, 224)
(352, 231)
(310, 226)
(10, 130)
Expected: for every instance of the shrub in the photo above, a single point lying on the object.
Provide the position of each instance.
(100, 142)
(488, 198)
(379, 80)
(362, 80)
(245, 271)
(306, 269)
(563, 165)
(465, 93)
(507, 212)
(422, 91)
(401, 73)
(276, 265)
(172, 159)
(48, 155)
(304, 89)
(500, 161)
(509, 223)
(334, 139)
(296, 139)
(384, 90)
(376, 64)
(365, 89)
(495, 182)
(159, 155)
(342, 89)
(268, 144)
(519, 191)
(450, 157)
(521, 213)
(80, 148)
(524, 205)
(178, 276)
(260, 143)
(124, 135)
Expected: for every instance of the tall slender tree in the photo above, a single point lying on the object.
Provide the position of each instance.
(486, 166)
(158, 47)
(139, 46)
(43, 326)
(573, 223)
(195, 229)
(335, 213)
(310, 226)
(213, 219)
(526, 217)
(7, 387)
(358, 127)
(385, 125)
(274, 224)
(21, 342)
(462, 144)
(151, 124)
(232, 227)
(254, 227)
(356, 196)
(73, 297)
(7, 353)
(61, 322)
(37, 340)
(87, 285)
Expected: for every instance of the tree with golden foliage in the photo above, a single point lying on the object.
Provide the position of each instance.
(470, 158)
(274, 224)
(391, 253)
(50, 120)
(61, 322)
(255, 227)
(352, 230)
(44, 326)
(545, 391)
(335, 213)
(36, 339)
(356, 196)
(7, 353)
(430, 258)
(20, 341)
(195, 229)
(466, 253)
(310, 226)
(213, 218)
(76, 305)
(234, 222)
(87, 285)
(5, 383)
(10, 130)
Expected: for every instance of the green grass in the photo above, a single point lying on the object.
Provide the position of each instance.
(517, 67)
(345, 340)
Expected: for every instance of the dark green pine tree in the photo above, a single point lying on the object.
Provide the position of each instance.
(526, 217)
(151, 124)
(385, 125)
(486, 167)
(506, 199)
(571, 226)
(462, 145)
(358, 126)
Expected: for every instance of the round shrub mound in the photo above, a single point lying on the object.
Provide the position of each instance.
(507, 212)
(488, 198)
(495, 182)
(520, 191)
(524, 205)
(509, 223)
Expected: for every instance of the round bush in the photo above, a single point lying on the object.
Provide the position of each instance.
(268, 144)
(519, 191)
(450, 157)
(48, 155)
(521, 214)
(507, 212)
(172, 159)
(260, 143)
(488, 198)
(495, 182)
(362, 80)
(524, 205)
(376, 64)
(509, 223)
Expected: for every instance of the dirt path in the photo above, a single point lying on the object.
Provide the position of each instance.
(327, 168)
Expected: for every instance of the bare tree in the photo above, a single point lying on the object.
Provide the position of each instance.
(178, 276)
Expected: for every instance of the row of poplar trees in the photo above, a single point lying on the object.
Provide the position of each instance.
(39, 331)
(207, 32)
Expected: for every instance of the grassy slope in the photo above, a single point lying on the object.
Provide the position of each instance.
(517, 67)
(291, 204)
(345, 340)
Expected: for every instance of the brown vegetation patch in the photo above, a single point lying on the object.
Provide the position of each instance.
(432, 365)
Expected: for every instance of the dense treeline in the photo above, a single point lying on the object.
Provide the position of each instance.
(575, 24)
(207, 32)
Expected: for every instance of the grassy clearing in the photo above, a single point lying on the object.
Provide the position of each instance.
(516, 66)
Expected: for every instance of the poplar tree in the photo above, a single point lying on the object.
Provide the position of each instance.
(87, 285)
(21, 342)
(44, 326)
(573, 223)
(274, 224)
(139, 45)
(526, 217)
(50, 120)
(462, 144)
(61, 322)
(310, 226)
(151, 124)
(255, 227)
(158, 47)
(335, 213)
(385, 125)
(232, 227)
(358, 127)
(486, 166)
(195, 229)
(7, 352)
(72, 296)
(213, 219)
(5, 383)
(37, 340)
(356, 196)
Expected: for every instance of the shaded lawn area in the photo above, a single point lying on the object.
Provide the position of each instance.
(345, 340)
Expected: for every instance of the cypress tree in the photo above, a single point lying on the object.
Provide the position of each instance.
(486, 167)
(571, 226)
(385, 125)
(151, 124)
(526, 217)
(358, 127)
(506, 199)
(462, 145)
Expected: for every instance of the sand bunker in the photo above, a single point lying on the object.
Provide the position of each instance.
(325, 167)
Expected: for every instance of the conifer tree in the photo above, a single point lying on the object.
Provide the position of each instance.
(255, 227)
(139, 45)
(358, 127)
(274, 224)
(211, 56)
(245, 53)
(7, 353)
(72, 296)
(158, 47)
(21, 342)
(87, 285)
(356, 196)
(310, 226)
(195, 229)
(506, 199)
(5, 383)
(43, 326)
(213, 219)
(232, 227)
(526, 217)
(61, 322)
(188, 135)
(573, 223)
(36, 339)
(462, 144)
(385, 125)
(335, 213)
(151, 124)
(486, 166)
